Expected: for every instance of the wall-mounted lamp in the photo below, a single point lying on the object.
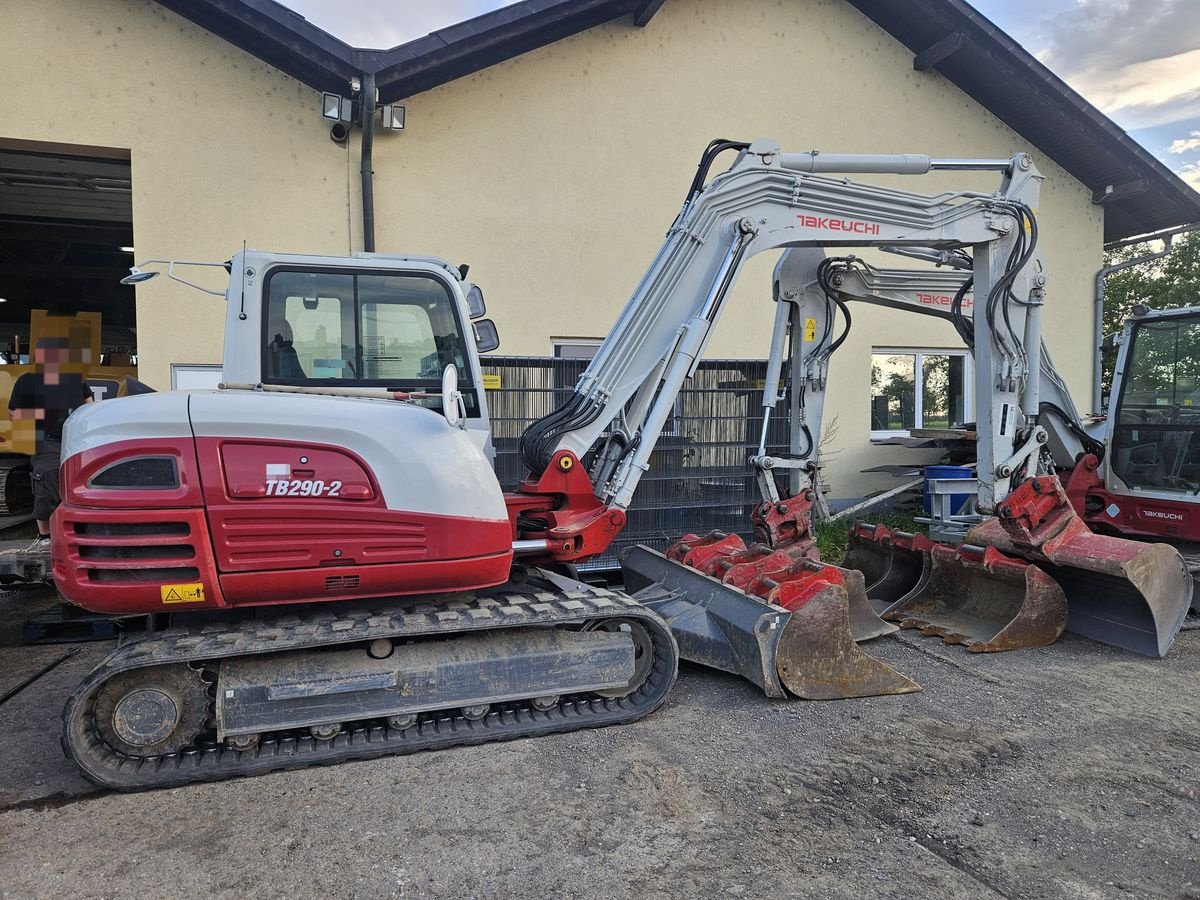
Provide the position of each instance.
(337, 108)
(392, 115)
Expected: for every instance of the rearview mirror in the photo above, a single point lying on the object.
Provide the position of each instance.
(486, 336)
(475, 304)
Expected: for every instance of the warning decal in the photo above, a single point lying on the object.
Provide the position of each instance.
(491, 382)
(810, 329)
(181, 593)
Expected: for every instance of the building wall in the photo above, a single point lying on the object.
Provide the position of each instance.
(554, 175)
(223, 147)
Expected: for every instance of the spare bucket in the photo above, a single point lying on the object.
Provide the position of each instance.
(978, 597)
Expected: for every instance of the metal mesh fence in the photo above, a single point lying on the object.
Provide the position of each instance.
(698, 478)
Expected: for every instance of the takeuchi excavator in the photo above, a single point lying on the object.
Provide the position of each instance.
(1110, 489)
(341, 575)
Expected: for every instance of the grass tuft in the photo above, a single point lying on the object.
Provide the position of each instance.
(833, 537)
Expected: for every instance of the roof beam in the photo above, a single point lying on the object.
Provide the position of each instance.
(644, 13)
(934, 54)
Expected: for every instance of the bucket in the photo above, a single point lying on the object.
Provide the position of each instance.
(956, 500)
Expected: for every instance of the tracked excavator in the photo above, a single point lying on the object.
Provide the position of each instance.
(340, 573)
(1133, 605)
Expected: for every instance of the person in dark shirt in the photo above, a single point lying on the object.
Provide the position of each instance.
(48, 397)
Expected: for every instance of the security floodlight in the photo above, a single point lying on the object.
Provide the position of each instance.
(137, 276)
(336, 108)
(393, 116)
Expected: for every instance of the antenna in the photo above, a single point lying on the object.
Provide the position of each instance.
(242, 308)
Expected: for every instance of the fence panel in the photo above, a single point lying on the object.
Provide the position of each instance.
(698, 478)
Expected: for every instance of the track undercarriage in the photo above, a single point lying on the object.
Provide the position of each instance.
(203, 702)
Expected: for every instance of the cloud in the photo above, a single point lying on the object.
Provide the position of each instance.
(1144, 94)
(1113, 34)
(1185, 145)
(1190, 172)
(1136, 61)
(385, 25)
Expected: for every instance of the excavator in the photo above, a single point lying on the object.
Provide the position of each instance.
(1109, 487)
(338, 573)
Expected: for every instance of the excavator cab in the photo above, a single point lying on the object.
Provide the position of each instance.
(1156, 415)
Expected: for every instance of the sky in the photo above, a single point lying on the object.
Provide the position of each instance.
(1138, 61)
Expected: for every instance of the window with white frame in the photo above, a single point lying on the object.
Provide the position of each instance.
(575, 348)
(919, 389)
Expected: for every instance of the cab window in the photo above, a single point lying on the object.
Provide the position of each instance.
(398, 331)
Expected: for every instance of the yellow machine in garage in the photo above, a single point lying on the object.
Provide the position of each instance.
(105, 375)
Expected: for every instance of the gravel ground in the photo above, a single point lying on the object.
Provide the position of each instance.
(1065, 772)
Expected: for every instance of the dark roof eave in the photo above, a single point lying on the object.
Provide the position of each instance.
(986, 64)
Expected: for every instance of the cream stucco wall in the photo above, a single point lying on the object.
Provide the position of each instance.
(554, 175)
(223, 148)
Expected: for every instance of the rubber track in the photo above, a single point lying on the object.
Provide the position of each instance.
(457, 614)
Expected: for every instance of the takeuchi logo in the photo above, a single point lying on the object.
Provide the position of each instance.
(943, 300)
(829, 223)
(1155, 514)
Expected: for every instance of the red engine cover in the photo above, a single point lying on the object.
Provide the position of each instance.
(255, 522)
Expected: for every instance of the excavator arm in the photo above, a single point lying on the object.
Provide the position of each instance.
(812, 291)
(769, 199)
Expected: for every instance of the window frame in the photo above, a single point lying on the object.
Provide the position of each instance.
(466, 375)
(919, 400)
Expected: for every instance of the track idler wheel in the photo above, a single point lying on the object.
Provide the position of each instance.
(153, 711)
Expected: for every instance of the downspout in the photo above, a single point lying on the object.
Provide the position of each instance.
(1101, 277)
(368, 139)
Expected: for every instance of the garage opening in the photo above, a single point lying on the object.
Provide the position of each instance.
(66, 239)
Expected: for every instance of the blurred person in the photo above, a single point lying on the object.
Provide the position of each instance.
(48, 396)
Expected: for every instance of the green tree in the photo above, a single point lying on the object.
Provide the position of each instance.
(1166, 283)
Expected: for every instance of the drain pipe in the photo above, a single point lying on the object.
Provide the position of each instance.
(368, 139)
(1102, 276)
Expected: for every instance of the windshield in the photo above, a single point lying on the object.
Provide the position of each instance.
(363, 330)
(1158, 415)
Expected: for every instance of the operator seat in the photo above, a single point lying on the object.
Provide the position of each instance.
(282, 359)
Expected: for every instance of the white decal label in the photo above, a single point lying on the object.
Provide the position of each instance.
(295, 487)
(279, 470)
(1113, 510)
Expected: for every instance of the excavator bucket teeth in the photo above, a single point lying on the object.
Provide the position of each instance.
(723, 627)
(1125, 593)
(869, 551)
(980, 598)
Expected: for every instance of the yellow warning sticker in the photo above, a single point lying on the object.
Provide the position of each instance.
(491, 382)
(810, 329)
(182, 593)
